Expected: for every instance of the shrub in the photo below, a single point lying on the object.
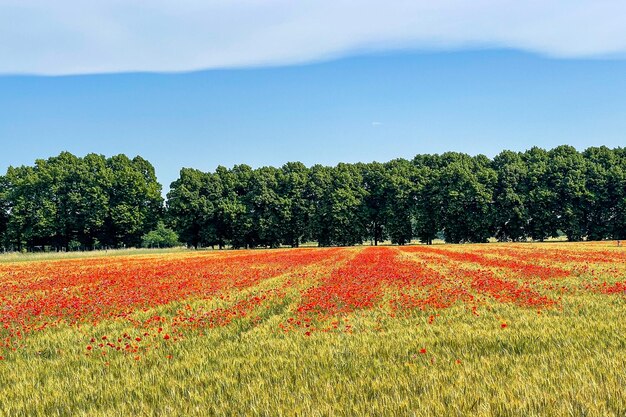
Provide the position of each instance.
(161, 237)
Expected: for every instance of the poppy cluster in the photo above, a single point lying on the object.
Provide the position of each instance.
(38, 295)
(324, 288)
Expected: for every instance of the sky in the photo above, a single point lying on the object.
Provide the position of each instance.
(205, 83)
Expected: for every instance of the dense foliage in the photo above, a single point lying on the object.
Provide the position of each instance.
(515, 196)
(537, 194)
(161, 237)
(69, 202)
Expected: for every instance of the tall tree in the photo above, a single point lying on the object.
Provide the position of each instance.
(602, 176)
(510, 215)
(237, 208)
(4, 211)
(338, 194)
(402, 185)
(78, 192)
(541, 199)
(32, 207)
(95, 179)
(566, 176)
(189, 211)
(319, 187)
(617, 189)
(295, 216)
(427, 218)
(135, 201)
(375, 200)
(465, 188)
(266, 209)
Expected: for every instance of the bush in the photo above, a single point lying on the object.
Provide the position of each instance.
(161, 237)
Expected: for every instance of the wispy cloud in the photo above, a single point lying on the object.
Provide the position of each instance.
(69, 37)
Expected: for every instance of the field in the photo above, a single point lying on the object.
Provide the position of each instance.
(443, 330)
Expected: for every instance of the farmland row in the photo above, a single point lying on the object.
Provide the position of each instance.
(310, 290)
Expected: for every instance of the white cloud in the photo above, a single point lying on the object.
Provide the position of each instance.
(68, 37)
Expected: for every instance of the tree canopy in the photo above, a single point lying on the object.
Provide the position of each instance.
(66, 201)
(94, 201)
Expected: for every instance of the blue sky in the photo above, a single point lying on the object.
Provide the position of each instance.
(376, 89)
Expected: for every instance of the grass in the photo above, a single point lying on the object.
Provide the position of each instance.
(51, 256)
(565, 361)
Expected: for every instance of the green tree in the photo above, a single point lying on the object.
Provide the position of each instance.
(69, 201)
(189, 208)
(135, 202)
(337, 195)
(94, 180)
(389, 201)
(265, 208)
(465, 188)
(319, 187)
(604, 177)
(227, 206)
(4, 211)
(510, 215)
(161, 237)
(617, 193)
(566, 177)
(296, 209)
(402, 187)
(78, 191)
(375, 200)
(32, 208)
(237, 208)
(541, 198)
(427, 216)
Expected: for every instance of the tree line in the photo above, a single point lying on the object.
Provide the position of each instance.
(96, 201)
(67, 202)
